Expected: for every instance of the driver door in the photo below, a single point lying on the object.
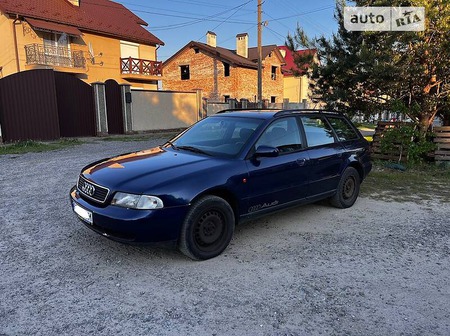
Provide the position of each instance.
(275, 181)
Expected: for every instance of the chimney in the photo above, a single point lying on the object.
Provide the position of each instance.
(211, 38)
(75, 2)
(242, 45)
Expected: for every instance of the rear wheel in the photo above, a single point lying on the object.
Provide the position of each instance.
(348, 189)
(207, 229)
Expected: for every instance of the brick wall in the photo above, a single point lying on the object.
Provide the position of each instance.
(207, 74)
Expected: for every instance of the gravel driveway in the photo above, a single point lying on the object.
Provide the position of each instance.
(377, 268)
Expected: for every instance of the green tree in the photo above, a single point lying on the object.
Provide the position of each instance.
(370, 72)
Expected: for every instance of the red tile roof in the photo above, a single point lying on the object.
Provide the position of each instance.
(95, 16)
(290, 67)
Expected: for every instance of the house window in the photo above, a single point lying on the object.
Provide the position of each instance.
(185, 75)
(226, 69)
(128, 50)
(273, 99)
(57, 49)
(274, 72)
(196, 50)
(226, 98)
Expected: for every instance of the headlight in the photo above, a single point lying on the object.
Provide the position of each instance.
(141, 202)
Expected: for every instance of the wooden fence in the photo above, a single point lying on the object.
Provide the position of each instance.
(382, 127)
(442, 140)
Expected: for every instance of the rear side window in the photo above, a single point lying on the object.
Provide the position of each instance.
(343, 129)
(317, 130)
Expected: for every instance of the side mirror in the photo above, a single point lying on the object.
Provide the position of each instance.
(266, 151)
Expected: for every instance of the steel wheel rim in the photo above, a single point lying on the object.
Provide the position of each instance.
(349, 188)
(209, 229)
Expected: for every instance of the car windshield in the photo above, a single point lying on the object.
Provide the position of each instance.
(217, 136)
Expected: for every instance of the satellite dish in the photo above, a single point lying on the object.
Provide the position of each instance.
(91, 53)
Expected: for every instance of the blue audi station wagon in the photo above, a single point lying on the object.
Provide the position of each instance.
(223, 170)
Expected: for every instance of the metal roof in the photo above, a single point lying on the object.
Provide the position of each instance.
(95, 16)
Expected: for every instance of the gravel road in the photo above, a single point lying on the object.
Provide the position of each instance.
(377, 268)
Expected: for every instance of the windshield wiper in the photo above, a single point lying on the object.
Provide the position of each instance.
(172, 145)
(193, 149)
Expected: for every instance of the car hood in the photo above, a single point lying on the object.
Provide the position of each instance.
(147, 170)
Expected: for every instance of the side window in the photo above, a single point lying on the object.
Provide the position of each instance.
(283, 134)
(226, 69)
(343, 129)
(185, 74)
(317, 130)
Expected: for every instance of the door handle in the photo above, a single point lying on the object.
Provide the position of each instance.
(301, 162)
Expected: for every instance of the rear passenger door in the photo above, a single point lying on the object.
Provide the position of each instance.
(325, 153)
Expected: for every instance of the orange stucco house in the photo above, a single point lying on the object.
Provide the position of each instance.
(95, 40)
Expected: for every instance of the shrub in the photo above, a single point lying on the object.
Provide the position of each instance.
(408, 143)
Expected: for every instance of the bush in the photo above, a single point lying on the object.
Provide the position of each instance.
(408, 143)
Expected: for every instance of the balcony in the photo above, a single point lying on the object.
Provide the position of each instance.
(59, 57)
(135, 68)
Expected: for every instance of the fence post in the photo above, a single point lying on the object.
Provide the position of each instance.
(205, 106)
(244, 103)
(200, 109)
(232, 103)
(286, 104)
(101, 117)
(125, 96)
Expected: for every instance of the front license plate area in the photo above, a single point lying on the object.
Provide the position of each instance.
(84, 214)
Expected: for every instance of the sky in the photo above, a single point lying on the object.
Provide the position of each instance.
(177, 22)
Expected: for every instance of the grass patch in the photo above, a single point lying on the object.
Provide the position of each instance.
(30, 146)
(420, 183)
(125, 138)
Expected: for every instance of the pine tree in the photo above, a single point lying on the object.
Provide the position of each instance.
(370, 72)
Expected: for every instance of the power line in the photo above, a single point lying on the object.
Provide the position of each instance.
(213, 17)
(237, 10)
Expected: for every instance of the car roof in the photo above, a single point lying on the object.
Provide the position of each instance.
(270, 113)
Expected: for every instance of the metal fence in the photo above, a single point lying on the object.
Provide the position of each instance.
(55, 56)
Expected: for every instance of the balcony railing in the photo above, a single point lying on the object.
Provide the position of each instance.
(142, 67)
(54, 56)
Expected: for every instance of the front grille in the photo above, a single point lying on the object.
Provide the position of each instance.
(92, 190)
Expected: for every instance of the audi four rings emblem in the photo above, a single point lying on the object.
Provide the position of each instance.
(88, 189)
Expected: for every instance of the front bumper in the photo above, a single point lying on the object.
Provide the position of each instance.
(129, 225)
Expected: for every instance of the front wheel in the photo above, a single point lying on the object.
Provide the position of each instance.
(207, 229)
(348, 189)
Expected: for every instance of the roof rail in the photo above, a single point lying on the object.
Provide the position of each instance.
(320, 111)
(247, 109)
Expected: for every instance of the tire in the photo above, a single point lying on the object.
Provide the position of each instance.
(348, 189)
(207, 229)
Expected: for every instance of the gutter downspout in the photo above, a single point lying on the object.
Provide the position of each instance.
(156, 52)
(15, 42)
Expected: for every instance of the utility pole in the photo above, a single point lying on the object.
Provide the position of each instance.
(259, 54)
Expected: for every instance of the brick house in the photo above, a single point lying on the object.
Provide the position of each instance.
(95, 40)
(223, 73)
(296, 82)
